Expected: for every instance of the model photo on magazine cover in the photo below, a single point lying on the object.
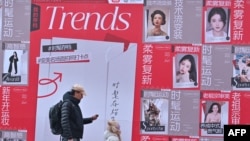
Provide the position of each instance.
(157, 23)
(217, 23)
(214, 115)
(154, 112)
(185, 72)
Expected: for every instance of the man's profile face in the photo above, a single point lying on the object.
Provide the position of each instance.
(78, 94)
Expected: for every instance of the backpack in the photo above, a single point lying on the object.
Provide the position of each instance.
(55, 118)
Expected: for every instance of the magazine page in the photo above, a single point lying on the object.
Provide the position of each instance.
(233, 27)
(214, 112)
(217, 21)
(166, 112)
(15, 16)
(175, 20)
(154, 111)
(216, 69)
(99, 60)
(219, 108)
(241, 65)
(15, 60)
(15, 39)
(186, 66)
(184, 113)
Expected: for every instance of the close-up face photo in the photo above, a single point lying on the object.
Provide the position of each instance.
(216, 23)
(215, 108)
(185, 66)
(157, 20)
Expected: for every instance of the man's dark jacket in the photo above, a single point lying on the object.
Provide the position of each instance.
(72, 120)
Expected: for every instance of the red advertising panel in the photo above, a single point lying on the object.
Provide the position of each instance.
(94, 45)
(165, 70)
(16, 102)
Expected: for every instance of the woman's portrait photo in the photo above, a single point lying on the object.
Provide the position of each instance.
(217, 25)
(214, 112)
(158, 18)
(185, 70)
(157, 24)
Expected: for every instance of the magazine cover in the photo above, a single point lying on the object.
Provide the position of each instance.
(15, 60)
(154, 111)
(15, 17)
(217, 21)
(94, 51)
(166, 112)
(184, 113)
(214, 112)
(15, 41)
(231, 27)
(186, 66)
(219, 108)
(157, 23)
(216, 66)
(169, 21)
(241, 67)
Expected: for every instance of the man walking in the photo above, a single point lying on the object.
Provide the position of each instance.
(72, 120)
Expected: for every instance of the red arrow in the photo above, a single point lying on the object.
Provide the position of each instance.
(48, 81)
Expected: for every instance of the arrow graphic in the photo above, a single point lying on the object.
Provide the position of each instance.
(48, 81)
